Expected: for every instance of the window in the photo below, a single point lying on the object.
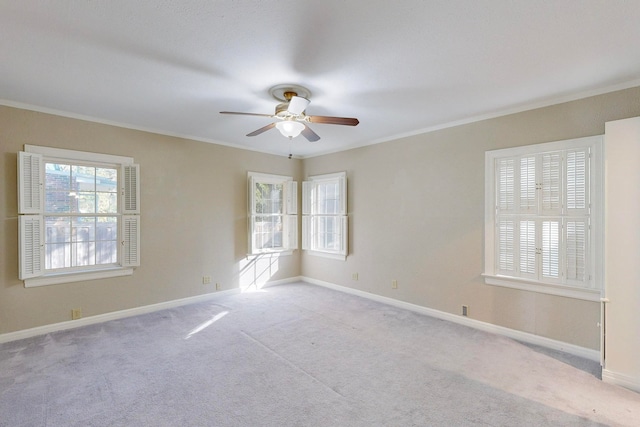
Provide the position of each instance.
(273, 208)
(324, 210)
(543, 227)
(79, 215)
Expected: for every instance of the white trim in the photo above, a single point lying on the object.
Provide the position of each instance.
(121, 314)
(329, 255)
(621, 380)
(77, 155)
(544, 288)
(100, 318)
(526, 337)
(56, 279)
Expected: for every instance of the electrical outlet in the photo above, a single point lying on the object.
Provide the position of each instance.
(465, 310)
(206, 280)
(76, 314)
(354, 276)
(217, 286)
(394, 284)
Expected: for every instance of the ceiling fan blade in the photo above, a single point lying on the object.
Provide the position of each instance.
(262, 129)
(347, 121)
(309, 134)
(246, 114)
(297, 105)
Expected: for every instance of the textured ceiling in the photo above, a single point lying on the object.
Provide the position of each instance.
(401, 67)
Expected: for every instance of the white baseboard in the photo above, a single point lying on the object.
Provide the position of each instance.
(61, 326)
(621, 380)
(529, 338)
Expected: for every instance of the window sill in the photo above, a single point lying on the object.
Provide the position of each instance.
(56, 279)
(272, 253)
(327, 255)
(544, 288)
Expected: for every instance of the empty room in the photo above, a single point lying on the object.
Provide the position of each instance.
(336, 213)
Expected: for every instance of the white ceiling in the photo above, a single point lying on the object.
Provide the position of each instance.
(401, 67)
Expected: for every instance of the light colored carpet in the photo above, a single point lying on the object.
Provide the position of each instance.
(297, 355)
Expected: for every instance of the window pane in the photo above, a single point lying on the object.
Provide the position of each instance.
(83, 229)
(328, 233)
(269, 198)
(86, 203)
(83, 178)
(267, 232)
(83, 253)
(57, 242)
(58, 194)
(106, 252)
(327, 198)
(107, 202)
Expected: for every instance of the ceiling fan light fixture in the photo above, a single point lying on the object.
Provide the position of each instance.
(290, 128)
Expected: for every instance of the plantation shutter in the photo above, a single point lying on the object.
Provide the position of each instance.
(292, 197)
(344, 233)
(577, 192)
(306, 232)
(130, 189)
(342, 195)
(31, 251)
(505, 172)
(307, 202)
(551, 249)
(528, 200)
(576, 244)
(130, 232)
(506, 245)
(528, 248)
(551, 182)
(31, 246)
(30, 183)
(307, 197)
(292, 231)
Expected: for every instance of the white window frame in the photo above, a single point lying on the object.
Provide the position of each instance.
(311, 215)
(591, 288)
(289, 213)
(31, 193)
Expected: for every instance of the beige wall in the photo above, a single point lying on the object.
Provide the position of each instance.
(193, 204)
(416, 209)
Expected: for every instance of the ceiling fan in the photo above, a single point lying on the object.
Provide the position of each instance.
(290, 114)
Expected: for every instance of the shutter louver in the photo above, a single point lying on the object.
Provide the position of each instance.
(30, 184)
(342, 191)
(306, 232)
(551, 182)
(292, 197)
(551, 249)
(131, 189)
(130, 241)
(307, 187)
(506, 184)
(528, 247)
(292, 232)
(576, 249)
(506, 245)
(344, 234)
(31, 246)
(528, 184)
(577, 180)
